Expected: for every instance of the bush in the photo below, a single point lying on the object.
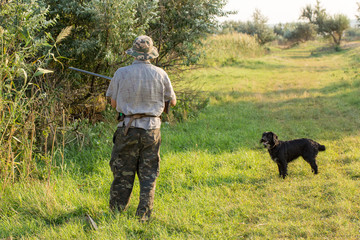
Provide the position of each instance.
(352, 34)
(188, 106)
(222, 48)
(256, 28)
(23, 102)
(294, 33)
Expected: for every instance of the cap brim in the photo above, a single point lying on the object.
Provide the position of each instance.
(143, 56)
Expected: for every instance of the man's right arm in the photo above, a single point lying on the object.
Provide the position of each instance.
(169, 91)
(112, 91)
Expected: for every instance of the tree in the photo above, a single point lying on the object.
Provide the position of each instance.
(181, 26)
(102, 30)
(328, 26)
(261, 30)
(358, 16)
(335, 26)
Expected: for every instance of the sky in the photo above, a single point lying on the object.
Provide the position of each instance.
(285, 11)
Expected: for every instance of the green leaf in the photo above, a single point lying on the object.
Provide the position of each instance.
(49, 36)
(41, 71)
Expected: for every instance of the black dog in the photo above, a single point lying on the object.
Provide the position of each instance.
(283, 152)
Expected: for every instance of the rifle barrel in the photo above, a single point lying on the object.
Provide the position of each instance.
(91, 73)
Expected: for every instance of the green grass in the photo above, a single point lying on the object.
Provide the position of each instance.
(216, 180)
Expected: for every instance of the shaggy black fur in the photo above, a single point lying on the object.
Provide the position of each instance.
(283, 152)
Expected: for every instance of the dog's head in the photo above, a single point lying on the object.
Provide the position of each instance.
(269, 139)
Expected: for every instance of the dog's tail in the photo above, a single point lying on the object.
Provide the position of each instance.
(321, 147)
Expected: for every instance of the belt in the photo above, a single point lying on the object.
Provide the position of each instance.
(132, 118)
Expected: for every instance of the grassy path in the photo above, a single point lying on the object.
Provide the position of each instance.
(294, 94)
(216, 180)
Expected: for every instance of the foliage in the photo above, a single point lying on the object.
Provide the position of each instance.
(296, 32)
(257, 28)
(178, 33)
(330, 26)
(216, 181)
(352, 34)
(103, 30)
(40, 38)
(180, 28)
(189, 107)
(231, 26)
(24, 111)
(358, 16)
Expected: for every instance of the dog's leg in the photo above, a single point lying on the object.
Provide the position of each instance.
(282, 169)
(312, 162)
(314, 167)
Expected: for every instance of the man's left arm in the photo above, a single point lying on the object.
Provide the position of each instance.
(113, 103)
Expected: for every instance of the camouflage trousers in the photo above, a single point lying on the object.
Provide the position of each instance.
(136, 153)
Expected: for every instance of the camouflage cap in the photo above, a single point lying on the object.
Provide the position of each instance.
(143, 48)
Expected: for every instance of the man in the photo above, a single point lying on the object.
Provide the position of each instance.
(138, 92)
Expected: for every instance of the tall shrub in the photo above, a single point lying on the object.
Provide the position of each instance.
(21, 96)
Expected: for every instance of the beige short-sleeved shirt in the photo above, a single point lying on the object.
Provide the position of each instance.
(141, 88)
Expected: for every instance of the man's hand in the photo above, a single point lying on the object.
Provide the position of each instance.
(173, 102)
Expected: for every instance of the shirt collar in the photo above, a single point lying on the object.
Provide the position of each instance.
(141, 62)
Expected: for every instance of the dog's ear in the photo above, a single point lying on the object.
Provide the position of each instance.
(275, 137)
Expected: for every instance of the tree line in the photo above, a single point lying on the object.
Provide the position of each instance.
(315, 21)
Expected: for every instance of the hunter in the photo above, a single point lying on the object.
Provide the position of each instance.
(138, 92)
